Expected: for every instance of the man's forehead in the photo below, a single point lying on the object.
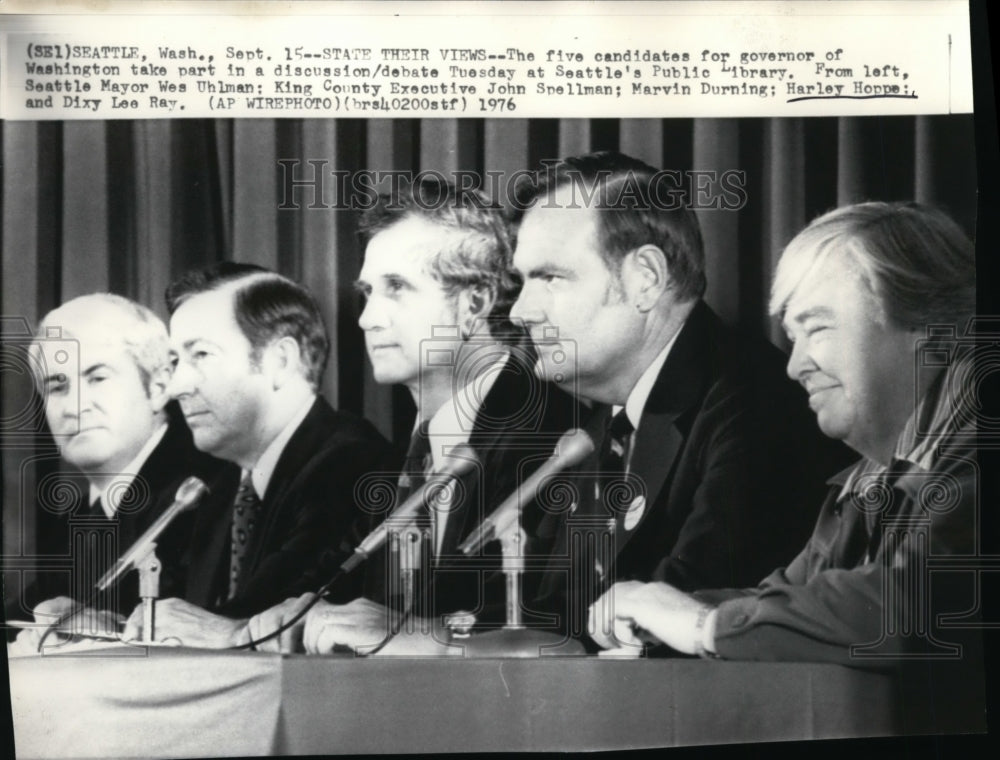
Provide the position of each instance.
(552, 233)
(404, 247)
(811, 295)
(822, 291)
(205, 316)
(576, 194)
(217, 303)
(91, 341)
(555, 216)
(414, 233)
(563, 203)
(77, 355)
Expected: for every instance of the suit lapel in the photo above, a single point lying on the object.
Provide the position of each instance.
(461, 515)
(174, 458)
(659, 437)
(149, 495)
(156, 472)
(210, 579)
(301, 447)
(657, 443)
(504, 399)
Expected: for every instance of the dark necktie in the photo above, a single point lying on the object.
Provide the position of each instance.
(613, 457)
(417, 464)
(246, 511)
(590, 531)
(97, 508)
(415, 468)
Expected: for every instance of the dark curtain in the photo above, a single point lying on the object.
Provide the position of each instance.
(126, 206)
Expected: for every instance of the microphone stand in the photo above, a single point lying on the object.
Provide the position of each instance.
(511, 543)
(143, 550)
(515, 639)
(149, 590)
(407, 550)
(411, 548)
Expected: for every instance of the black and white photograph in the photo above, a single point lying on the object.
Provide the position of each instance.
(487, 377)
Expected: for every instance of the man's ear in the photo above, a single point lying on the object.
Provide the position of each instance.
(159, 381)
(474, 303)
(646, 276)
(281, 361)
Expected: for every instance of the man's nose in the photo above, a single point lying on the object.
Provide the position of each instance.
(181, 381)
(69, 404)
(374, 315)
(527, 308)
(80, 397)
(799, 361)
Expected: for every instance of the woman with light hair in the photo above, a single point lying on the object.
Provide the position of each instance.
(918, 263)
(875, 299)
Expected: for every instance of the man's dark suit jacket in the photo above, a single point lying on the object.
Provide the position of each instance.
(516, 428)
(152, 491)
(308, 508)
(732, 463)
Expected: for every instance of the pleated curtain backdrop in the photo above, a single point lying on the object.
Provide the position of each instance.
(127, 206)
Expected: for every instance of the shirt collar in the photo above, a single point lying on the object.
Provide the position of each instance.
(451, 424)
(939, 415)
(261, 474)
(866, 467)
(111, 495)
(943, 411)
(636, 401)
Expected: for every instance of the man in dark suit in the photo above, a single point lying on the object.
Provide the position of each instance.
(704, 455)
(873, 297)
(251, 347)
(438, 287)
(103, 381)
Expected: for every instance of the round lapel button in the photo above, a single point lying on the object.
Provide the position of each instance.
(635, 510)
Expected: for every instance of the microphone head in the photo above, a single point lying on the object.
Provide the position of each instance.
(190, 491)
(574, 446)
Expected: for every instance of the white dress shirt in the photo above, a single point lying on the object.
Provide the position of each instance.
(635, 404)
(264, 469)
(111, 495)
(452, 424)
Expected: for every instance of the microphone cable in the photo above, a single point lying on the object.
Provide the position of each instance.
(190, 491)
(252, 644)
(67, 616)
(393, 630)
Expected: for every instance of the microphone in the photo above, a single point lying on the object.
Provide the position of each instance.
(574, 446)
(459, 462)
(187, 496)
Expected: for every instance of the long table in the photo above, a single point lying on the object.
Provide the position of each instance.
(191, 703)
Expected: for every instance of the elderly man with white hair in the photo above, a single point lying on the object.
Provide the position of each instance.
(102, 369)
(875, 299)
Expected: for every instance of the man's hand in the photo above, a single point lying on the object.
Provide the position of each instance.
(630, 613)
(85, 621)
(185, 624)
(270, 620)
(360, 625)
